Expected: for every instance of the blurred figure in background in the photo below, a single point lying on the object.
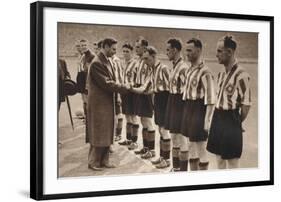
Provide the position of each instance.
(96, 49)
(82, 75)
(63, 74)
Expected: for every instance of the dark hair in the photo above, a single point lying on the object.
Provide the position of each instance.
(197, 42)
(109, 42)
(83, 41)
(100, 43)
(143, 41)
(128, 45)
(175, 43)
(151, 50)
(229, 42)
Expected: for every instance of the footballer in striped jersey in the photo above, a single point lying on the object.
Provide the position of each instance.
(232, 107)
(199, 97)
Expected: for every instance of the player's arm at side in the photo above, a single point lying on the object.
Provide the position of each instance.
(208, 117)
(209, 99)
(244, 111)
(245, 94)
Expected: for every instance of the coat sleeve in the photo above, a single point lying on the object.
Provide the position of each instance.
(64, 69)
(100, 76)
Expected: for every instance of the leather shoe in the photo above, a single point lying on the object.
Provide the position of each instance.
(111, 150)
(125, 142)
(156, 161)
(163, 164)
(142, 151)
(109, 165)
(95, 168)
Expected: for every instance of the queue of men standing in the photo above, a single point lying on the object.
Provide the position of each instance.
(193, 113)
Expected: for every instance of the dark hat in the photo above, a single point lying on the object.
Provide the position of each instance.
(69, 87)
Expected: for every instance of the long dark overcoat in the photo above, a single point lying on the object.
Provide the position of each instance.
(101, 94)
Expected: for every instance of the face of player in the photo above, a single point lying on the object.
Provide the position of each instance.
(95, 49)
(192, 52)
(171, 52)
(223, 54)
(148, 59)
(110, 51)
(84, 47)
(78, 48)
(139, 48)
(127, 53)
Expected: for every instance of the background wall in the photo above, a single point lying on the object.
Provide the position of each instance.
(14, 102)
(70, 33)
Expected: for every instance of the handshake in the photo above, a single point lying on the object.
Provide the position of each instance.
(133, 88)
(127, 86)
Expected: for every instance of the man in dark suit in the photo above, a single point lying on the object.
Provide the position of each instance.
(101, 109)
(63, 74)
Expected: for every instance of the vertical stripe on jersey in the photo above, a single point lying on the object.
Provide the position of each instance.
(209, 92)
(245, 91)
(199, 84)
(234, 90)
(129, 75)
(142, 72)
(177, 78)
(223, 85)
(194, 76)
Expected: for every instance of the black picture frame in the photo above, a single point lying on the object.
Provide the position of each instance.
(37, 101)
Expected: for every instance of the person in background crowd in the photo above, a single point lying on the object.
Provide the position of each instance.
(78, 49)
(96, 49)
(232, 106)
(199, 98)
(85, 63)
(100, 45)
(159, 85)
(175, 105)
(63, 74)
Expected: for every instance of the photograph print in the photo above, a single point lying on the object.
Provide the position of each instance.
(136, 100)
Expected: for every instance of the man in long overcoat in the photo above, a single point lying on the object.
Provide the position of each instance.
(101, 110)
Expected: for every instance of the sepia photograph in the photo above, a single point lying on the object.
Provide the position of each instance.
(135, 100)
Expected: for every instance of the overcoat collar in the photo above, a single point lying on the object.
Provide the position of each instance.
(106, 63)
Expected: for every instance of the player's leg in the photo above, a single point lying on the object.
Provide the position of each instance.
(233, 163)
(183, 156)
(175, 152)
(129, 127)
(193, 157)
(135, 131)
(149, 142)
(221, 163)
(165, 148)
(203, 155)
